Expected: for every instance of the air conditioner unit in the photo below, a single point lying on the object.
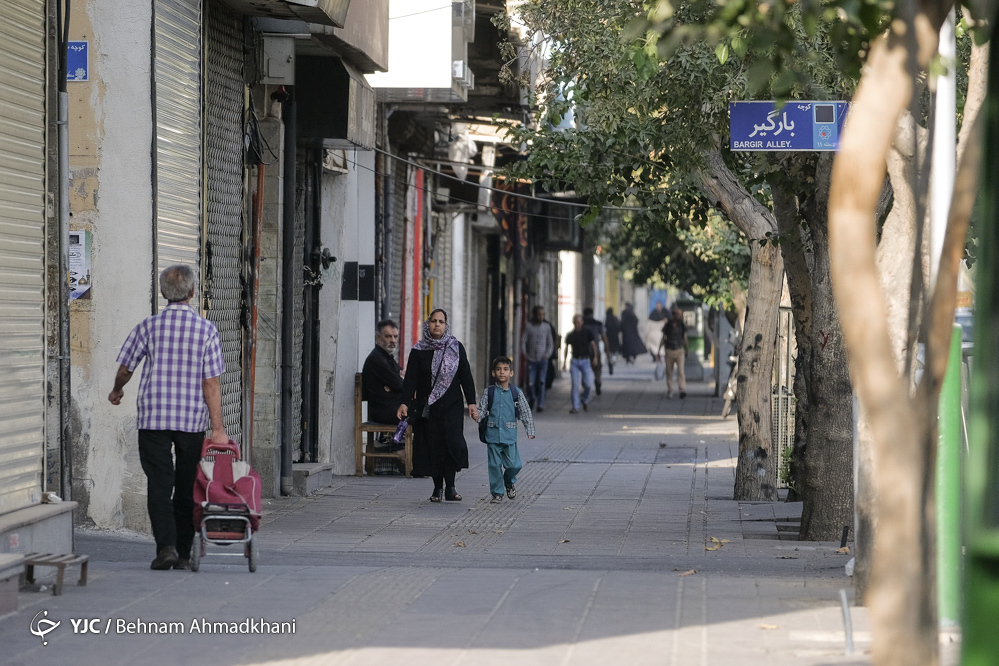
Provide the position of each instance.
(462, 74)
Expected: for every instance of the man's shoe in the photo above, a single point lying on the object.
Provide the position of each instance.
(183, 564)
(511, 492)
(683, 394)
(573, 411)
(540, 409)
(166, 557)
(497, 499)
(598, 389)
(586, 407)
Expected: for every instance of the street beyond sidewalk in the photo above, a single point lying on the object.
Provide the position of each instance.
(623, 546)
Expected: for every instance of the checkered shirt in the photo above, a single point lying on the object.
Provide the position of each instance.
(181, 349)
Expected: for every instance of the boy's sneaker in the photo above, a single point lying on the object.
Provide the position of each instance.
(496, 499)
(511, 492)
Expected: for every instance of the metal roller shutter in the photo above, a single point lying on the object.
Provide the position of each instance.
(299, 311)
(177, 80)
(399, 173)
(224, 282)
(22, 258)
(443, 250)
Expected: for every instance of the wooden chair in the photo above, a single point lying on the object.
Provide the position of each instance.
(364, 449)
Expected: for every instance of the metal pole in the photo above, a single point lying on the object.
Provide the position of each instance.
(948, 490)
(944, 160)
(979, 638)
(65, 449)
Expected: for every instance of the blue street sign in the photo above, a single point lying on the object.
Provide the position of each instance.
(795, 126)
(77, 61)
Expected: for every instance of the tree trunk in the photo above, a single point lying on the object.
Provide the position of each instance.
(828, 455)
(901, 596)
(756, 469)
(799, 280)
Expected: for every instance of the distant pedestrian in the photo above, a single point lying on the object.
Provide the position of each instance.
(500, 406)
(537, 345)
(437, 377)
(553, 359)
(596, 327)
(675, 344)
(583, 346)
(612, 326)
(179, 394)
(631, 340)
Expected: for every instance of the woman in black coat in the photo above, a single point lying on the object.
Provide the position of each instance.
(631, 340)
(438, 376)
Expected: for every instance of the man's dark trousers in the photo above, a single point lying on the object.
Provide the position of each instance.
(169, 491)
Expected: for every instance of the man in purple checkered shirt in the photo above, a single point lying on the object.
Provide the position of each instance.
(178, 394)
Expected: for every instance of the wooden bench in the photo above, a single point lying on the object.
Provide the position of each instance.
(367, 450)
(32, 560)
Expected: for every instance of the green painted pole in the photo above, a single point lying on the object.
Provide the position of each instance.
(948, 495)
(979, 637)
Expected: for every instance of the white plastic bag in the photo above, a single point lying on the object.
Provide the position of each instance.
(660, 371)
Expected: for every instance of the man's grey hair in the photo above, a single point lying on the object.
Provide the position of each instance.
(177, 283)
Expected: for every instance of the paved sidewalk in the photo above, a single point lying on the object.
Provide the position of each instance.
(623, 545)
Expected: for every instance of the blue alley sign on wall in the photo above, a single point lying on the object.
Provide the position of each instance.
(77, 61)
(795, 126)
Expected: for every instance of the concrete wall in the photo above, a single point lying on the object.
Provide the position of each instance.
(266, 441)
(111, 194)
(347, 331)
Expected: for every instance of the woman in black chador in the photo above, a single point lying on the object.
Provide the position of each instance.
(437, 376)
(631, 339)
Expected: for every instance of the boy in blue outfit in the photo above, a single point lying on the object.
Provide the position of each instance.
(500, 432)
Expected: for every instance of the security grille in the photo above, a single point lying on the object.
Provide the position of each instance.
(22, 252)
(299, 310)
(224, 283)
(443, 262)
(398, 212)
(177, 79)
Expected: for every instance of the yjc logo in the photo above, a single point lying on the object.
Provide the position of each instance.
(42, 626)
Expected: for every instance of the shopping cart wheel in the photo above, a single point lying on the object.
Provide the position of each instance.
(252, 547)
(196, 553)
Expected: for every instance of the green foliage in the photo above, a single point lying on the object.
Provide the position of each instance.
(650, 88)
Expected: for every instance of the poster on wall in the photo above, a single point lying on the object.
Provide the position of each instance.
(79, 265)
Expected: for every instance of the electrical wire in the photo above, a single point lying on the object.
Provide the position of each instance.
(462, 201)
(515, 194)
(425, 11)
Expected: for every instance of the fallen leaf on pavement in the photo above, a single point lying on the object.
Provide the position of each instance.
(563, 541)
(472, 532)
(845, 550)
(714, 547)
(769, 626)
(498, 531)
(717, 540)
(460, 544)
(687, 573)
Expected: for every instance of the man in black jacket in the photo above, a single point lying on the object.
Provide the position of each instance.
(381, 377)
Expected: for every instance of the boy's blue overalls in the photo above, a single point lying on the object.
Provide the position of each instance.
(501, 436)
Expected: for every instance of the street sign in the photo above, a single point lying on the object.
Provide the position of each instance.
(798, 125)
(78, 61)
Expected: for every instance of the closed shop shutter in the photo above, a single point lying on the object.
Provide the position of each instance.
(177, 80)
(22, 259)
(398, 211)
(302, 172)
(224, 284)
(443, 248)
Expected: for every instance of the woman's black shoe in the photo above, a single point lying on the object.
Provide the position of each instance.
(436, 497)
(451, 495)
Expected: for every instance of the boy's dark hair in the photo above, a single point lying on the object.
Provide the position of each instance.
(501, 360)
